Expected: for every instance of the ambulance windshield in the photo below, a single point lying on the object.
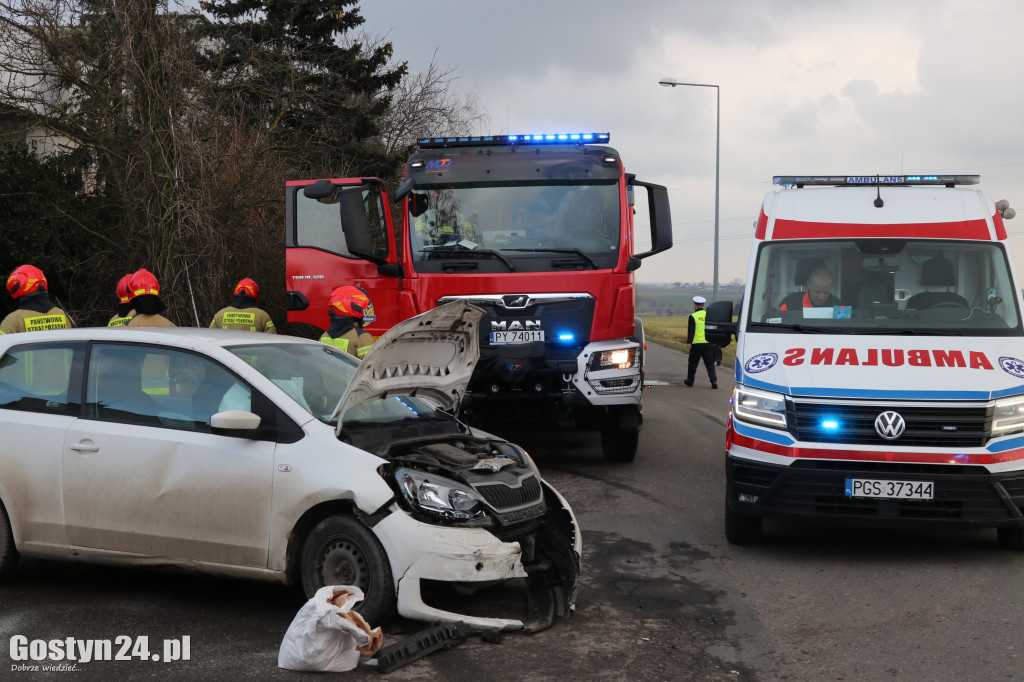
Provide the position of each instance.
(884, 285)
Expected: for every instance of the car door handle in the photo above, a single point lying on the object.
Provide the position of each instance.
(85, 446)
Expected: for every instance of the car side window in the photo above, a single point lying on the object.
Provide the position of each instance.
(153, 386)
(44, 377)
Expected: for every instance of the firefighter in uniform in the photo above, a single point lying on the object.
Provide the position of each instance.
(35, 312)
(243, 313)
(350, 308)
(698, 344)
(447, 225)
(144, 290)
(124, 312)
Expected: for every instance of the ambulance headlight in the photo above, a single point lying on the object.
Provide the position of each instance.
(1008, 416)
(760, 407)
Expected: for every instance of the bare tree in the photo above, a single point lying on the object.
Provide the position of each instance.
(426, 104)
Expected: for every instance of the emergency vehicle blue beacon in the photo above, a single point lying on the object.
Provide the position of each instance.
(904, 403)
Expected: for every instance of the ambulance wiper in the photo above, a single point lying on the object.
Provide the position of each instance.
(908, 332)
(582, 254)
(803, 329)
(469, 252)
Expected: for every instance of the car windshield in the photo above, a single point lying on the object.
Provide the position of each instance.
(517, 222)
(879, 286)
(316, 376)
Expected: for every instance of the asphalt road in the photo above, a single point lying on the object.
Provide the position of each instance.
(663, 595)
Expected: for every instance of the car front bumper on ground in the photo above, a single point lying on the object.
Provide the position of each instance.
(422, 552)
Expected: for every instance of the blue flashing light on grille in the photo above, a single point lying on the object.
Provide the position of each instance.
(566, 337)
(829, 425)
(508, 140)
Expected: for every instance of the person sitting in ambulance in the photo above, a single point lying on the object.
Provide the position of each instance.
(818, 293)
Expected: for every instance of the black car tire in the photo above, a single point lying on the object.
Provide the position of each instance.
(741, 529)
(1011, 537)
(620, 434)
(342, 551)
(8, 552)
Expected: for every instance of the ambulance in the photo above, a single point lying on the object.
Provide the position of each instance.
(879, 373)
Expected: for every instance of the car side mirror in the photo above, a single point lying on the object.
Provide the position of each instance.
(235, 420)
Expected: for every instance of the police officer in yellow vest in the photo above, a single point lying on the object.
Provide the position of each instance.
(698, 344)
(350, 308)
(124, 312)
(243, 313)
(35, 312)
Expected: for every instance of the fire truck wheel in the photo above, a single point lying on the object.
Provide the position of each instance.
(8, 553)
(1011, 537)
(620, 435)
(741, 529)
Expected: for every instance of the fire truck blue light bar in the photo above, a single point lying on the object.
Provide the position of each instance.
(872, 180)
(508, 140)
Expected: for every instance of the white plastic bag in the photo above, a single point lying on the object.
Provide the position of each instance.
(320, 638)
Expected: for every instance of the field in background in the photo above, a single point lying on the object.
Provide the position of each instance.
(671, 332)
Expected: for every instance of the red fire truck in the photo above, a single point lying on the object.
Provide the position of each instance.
(535, 229)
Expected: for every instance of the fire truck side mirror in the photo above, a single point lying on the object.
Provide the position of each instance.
(661, 217)
(355, 226)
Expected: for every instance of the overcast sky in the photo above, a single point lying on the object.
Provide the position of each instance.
(807, 87)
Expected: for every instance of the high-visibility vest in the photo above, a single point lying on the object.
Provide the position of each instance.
(698, 326)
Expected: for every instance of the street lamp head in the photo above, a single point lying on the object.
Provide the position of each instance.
(668, 82)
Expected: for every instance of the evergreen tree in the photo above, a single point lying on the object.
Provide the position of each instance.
(292, 68)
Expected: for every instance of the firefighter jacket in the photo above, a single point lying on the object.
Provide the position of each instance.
(246, 319)
(156, 320)
(354, 342)
(35, 313)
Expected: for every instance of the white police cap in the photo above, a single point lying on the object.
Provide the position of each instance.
(699, 299)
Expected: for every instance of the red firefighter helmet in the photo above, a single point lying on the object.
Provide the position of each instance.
(349, 301)
(124, 294)
(248, 286)
(143, 282)
(26, 279)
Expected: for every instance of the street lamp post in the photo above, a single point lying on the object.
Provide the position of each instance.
(671, 83)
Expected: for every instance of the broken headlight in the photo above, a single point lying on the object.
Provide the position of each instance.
(439, 496)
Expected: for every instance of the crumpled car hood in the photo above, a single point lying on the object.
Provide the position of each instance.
(430, 356)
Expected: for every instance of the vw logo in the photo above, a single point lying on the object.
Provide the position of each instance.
(890, 425)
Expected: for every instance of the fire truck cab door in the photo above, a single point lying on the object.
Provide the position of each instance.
(340, 232)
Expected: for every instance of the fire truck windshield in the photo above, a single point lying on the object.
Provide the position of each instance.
(532, 225)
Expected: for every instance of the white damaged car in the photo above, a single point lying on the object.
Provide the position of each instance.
(225, 452)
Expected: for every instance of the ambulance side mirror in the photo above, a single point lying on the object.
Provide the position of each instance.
(718, 325)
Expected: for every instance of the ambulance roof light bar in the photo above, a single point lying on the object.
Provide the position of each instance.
(510, 140)
(873, 180)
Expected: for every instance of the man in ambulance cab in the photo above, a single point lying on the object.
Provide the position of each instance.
(349, 308)
(35, 312)
(244, 312)
(818, 293)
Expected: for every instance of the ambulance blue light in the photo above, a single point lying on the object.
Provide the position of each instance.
(829, 424)
(566, 336)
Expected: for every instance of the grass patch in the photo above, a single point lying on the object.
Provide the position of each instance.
(670, 331)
